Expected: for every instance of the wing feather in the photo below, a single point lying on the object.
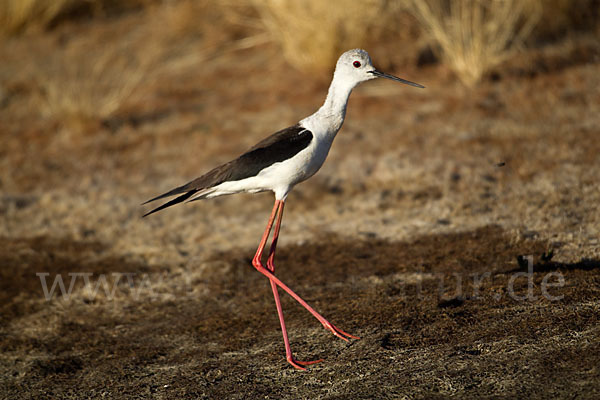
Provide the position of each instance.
(278, 147)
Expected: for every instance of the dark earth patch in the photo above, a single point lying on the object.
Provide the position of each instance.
(479, 337)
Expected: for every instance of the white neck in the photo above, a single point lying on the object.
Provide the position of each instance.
(333, 111)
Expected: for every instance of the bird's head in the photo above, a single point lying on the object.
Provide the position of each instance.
(355, 66)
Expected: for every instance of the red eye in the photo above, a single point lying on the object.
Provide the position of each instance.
(356, 64)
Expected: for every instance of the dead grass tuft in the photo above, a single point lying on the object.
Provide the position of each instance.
(16, 15)
(77, 85)
(476, 35)
(90, 79)
(312, 33)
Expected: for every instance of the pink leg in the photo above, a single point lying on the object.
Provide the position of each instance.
(271, 267)
(256, 262)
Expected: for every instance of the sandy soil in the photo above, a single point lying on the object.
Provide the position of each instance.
(413, 236)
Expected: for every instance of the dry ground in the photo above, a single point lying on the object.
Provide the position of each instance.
(423, 189)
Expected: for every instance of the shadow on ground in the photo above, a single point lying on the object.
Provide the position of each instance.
(442, 315)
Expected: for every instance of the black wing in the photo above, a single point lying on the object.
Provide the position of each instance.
(278, 147)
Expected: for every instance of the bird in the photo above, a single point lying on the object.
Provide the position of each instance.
(277, 164)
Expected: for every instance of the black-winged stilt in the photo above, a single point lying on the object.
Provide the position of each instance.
(281, 161)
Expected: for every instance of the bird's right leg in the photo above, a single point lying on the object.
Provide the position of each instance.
(256, 262)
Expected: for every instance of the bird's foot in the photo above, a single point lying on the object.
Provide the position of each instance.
(299, 364)
(338, 332)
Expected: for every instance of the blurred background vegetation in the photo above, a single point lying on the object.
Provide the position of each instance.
(471, 37)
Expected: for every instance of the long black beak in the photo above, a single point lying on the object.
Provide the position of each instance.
(380, 74)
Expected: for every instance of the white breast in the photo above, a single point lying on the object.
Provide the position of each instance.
(282, 176)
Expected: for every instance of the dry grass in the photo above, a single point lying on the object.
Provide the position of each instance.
(312, 33)
(476, 35)
(78, 85)
(17, 15)
(91, 78)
